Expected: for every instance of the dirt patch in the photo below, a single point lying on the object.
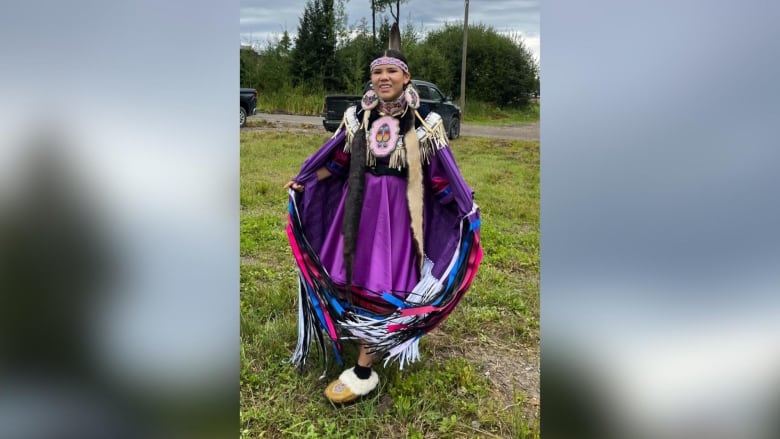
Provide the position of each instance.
(509, 368)
(266, 126)
(529, 131)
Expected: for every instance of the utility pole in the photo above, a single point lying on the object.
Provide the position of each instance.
(463, 63)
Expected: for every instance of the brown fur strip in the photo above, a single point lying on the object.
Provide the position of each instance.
(414, 189)
(354, 203)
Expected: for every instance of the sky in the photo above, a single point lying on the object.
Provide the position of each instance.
(262, 20)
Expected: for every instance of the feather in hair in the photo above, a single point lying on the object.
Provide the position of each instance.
(395, 38)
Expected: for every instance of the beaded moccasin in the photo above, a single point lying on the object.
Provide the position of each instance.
(348, 387)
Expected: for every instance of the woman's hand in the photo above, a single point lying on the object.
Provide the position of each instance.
(322, 173)
(297, 187)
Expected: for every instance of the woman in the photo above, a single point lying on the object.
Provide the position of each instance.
(383, 228)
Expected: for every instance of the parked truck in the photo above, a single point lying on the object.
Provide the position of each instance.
(248, 104)
(430, 96)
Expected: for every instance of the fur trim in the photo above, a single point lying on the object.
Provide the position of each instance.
(351, 124)
(431, 135)
(356, 385)
(338, 130)
(354, 203)
(370, 159)
(414, 191)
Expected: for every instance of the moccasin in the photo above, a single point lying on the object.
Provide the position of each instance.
(348, 387)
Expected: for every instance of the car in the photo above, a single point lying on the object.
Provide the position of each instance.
(431, 96)
(248, 104)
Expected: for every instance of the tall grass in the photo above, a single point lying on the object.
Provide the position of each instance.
(296, 100)
(483, 113)
(466, 384)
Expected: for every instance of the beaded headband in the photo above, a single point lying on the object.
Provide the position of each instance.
(389, 60)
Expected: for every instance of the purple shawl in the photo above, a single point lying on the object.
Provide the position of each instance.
(441, 222)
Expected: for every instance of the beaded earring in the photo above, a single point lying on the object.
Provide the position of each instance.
(412, 97)
(369, 101)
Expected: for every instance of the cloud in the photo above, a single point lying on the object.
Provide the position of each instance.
(261, 23)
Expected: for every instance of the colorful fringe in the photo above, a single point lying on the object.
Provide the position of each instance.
(390, 326)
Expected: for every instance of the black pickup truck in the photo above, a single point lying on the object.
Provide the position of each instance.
(430, 96)
(248, 104)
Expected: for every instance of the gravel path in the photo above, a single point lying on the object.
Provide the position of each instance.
(529, 131)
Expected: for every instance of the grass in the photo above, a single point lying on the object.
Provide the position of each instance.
(481, 113)
(291, 101)
(466, 384)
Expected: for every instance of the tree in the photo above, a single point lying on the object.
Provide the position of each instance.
(249, 62)
(498, 69)
(285, 44)
(384, 34)
(314, 55)
(425, 62)
(389, 4)
(267, 69)
(340, 23)
(373, 21)
(355, 56)
(326, 56)
(378, 5)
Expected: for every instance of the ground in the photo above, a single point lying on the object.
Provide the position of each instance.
(509, 367)
(264, 121)
(505, 367)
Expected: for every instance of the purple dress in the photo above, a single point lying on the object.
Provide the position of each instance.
(385, 260)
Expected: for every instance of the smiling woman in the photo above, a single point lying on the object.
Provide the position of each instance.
(388, 77)
(383, 228)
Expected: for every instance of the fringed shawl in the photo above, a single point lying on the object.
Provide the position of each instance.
(451, 259)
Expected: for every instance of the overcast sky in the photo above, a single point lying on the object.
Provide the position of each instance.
(264, 19)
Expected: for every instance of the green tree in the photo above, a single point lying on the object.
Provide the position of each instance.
(340, 23)
(275, 65)
(249, 62)
(410, 36)
(373, 22)
(498, 69)
(384, 34)
(285, 44)
(425, 61)
(355, 56)
(326, 56)
(313, 59)
(268, 69)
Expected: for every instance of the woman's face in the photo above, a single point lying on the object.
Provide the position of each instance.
(388, 81)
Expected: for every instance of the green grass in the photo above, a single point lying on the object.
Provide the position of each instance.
(451, 391)
(482, 113)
